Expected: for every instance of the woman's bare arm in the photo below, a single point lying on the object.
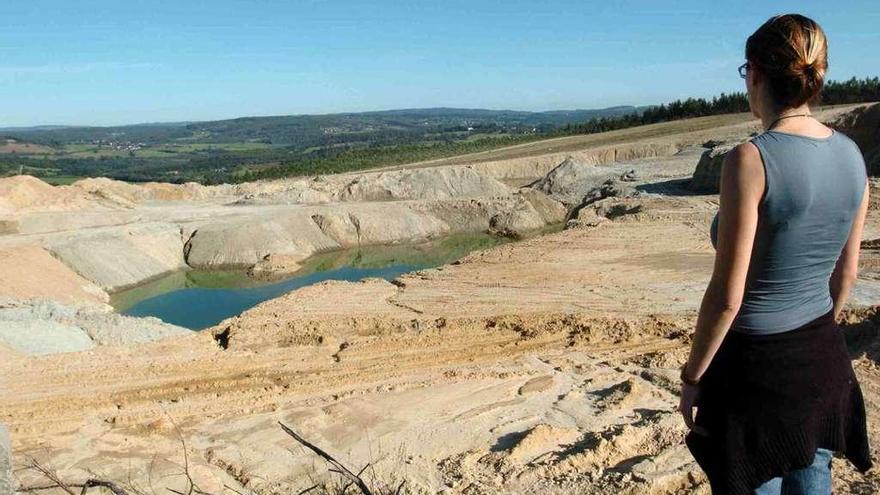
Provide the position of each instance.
(847, 268)
(742, 185)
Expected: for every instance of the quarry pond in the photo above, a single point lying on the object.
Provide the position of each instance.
(198, 299)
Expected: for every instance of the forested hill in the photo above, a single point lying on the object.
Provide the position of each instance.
(407, 125)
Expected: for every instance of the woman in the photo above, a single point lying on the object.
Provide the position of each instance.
(768, 372)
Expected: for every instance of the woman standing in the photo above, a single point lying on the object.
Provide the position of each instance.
(768, 372)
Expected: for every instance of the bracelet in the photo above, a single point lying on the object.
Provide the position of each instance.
(685, 379)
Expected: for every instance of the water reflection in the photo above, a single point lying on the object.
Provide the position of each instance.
(198, 299)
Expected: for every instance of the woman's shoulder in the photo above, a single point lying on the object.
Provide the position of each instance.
(847, 141)
(744, 156)
(743, 168)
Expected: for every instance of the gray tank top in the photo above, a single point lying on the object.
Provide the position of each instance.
(814, 187)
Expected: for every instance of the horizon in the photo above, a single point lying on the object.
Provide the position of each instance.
(384, 110)
(161, 62)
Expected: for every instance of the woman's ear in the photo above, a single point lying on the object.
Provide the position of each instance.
(755, 75)
(755, 82)
(751, 74)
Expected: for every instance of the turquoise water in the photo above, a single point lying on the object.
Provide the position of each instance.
(197, 299)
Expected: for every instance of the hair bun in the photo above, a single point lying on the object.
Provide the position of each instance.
(793, 53)
(808, 68)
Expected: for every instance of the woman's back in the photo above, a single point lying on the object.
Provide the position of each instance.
(813, 189)
(769, 372)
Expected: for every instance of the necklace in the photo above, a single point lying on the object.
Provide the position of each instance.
(786, 117)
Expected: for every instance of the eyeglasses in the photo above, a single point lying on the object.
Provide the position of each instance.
(743, 70)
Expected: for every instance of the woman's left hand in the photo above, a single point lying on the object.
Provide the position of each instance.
(689, 395)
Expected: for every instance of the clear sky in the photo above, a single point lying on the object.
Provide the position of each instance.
(127, 61)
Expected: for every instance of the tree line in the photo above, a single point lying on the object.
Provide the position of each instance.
(834, 93)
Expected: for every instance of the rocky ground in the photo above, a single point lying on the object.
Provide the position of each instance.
(546, 365)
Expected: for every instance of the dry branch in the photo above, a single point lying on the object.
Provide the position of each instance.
(113, 487)
(355, 479)
(67, 487)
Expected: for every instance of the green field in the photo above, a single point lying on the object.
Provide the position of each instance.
(81, 150)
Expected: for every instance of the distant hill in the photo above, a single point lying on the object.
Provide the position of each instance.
(236, 149)
(318, 130)
(34, 128)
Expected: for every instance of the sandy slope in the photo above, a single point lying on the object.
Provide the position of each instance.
(548, 365)
(372, 364)
(572, 389)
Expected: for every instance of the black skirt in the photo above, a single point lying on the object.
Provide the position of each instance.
(769, 401)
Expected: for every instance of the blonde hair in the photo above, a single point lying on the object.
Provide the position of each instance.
(792, 52)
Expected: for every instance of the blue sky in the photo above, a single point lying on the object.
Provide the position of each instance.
(111, 62)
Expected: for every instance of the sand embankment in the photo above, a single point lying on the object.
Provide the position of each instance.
(117, 235)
